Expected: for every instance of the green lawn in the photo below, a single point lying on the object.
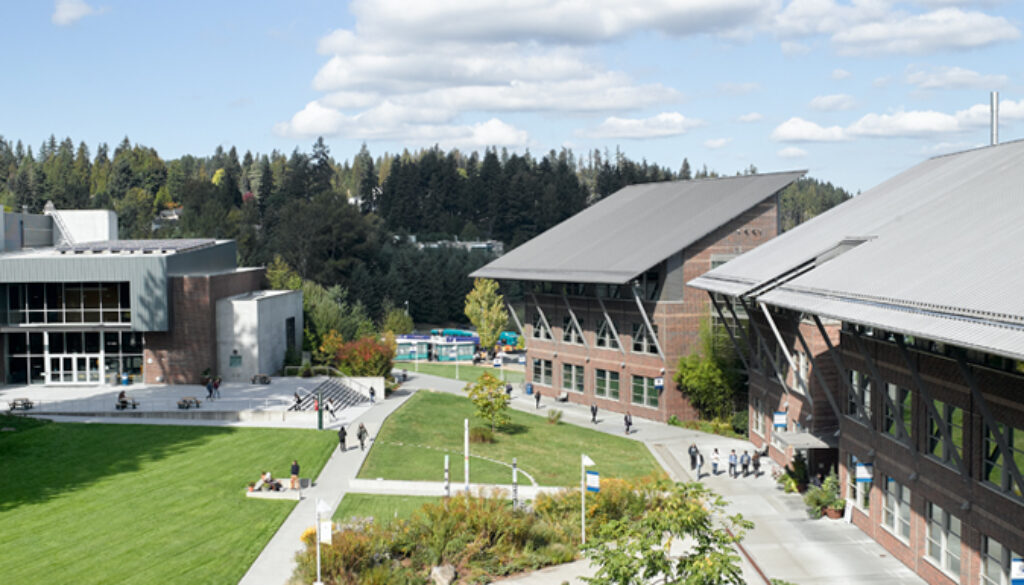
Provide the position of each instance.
(466, 373)
(141, 504)
(412, 444)
(380, 507)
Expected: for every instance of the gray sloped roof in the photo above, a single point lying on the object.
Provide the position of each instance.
(634, 229)
(942, 254)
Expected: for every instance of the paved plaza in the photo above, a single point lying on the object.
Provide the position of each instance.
(785, 543)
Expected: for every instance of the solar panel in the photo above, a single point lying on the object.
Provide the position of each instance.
(144, 246)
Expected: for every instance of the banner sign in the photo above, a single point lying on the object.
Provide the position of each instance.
(593, 481)
(865, 472)
(779, 420)
(1017, 571)
(659, 383)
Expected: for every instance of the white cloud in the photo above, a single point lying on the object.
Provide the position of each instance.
(841, 74)
(792, 152)
(917, 34)
(716, 143)
(953, 78)
(833, 103)
(659, 126)
(738, 88)
(793, 49)
(67, 12)
(751, 117)
(800, 130)
(913, 123)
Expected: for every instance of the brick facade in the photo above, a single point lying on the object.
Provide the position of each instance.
(677, 314)
(181, 354)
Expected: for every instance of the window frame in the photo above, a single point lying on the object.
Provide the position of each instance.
(939, 534)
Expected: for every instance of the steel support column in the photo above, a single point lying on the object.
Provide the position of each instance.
(1009, 462)
(647, 322)
(544, 319)
(611, 325)
(732, 337)
(820, 377)
(575, 322)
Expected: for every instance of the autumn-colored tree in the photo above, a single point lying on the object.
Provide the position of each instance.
(491, 401)
(330, 344)
(368, 356)
(486, 310)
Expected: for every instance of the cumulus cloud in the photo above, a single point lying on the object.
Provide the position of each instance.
(792, 152)
(68, 12)
(716, 143)
(738, 88)
(792, 48)
(750, 117)
(800, 130)
(898, 124)
(833, 103)
(659, 126)
(841, 74)
(953, 78)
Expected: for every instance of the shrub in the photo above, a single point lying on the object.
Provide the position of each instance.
(365, 357)
(818, 498)
(481, 435)
(739, 422)
(554, 416)
(306, 370)
(674, 421)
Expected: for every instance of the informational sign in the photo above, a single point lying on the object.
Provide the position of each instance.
(1017, 571)
(235, 361)
(659, 383)
(497, 362)
(522, 359)
(326, 526)
(593, 481)
(779, 420)
(865, 472)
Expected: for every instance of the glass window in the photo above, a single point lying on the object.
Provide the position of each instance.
(606, 383)
(540, 330)
(858, 403)
(605, 337)
(572, 377)
(131, 342)
(896, 509)
(57, 343)
(570, 334)
(35, 343)
(944, 540)
(954, 419)
(542, 371)
(92, 342)
(108, 295)
(995, 470)
(758, 415)
(995, 562)
(18, 344)
(896, 418)
(36, 298)
(858, 493)
(112, 342)
(644, 391)
(642, 341)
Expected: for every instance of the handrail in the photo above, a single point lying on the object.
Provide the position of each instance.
(331, 372)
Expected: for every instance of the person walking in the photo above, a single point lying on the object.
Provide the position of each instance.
(699, 461)
(733, 460)
(757, 463)
(714, 461)
(295, 475)
(693, 457)
(373, 395)
(536, 397)
(628, 420)
(209, 388)
(593, 412)
(341, 438)
(361, 434)
(216, 387)
(745, 463)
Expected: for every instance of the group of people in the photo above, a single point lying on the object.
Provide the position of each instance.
(212, 388)
(361, 433)
(267, 481)
(744, 464)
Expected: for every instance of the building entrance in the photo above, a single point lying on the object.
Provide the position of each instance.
(74, 369)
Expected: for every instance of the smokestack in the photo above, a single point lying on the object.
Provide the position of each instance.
(994, 109)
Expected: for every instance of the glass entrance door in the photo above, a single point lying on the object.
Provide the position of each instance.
(74, 369)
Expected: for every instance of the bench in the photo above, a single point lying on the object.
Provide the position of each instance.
(188, 402)
(284, 493)
(260, 379)
(563, 397)
(21, 404)
(124, 405)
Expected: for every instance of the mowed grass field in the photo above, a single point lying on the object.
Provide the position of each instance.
(466, 373)
(380, 507)
(412, 444)
(84, 503)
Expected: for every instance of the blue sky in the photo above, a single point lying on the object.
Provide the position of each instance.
(853, 90)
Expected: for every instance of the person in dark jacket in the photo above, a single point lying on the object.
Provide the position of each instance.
(295, 475)
(341, 438)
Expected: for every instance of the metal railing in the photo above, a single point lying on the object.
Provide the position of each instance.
(332, 372)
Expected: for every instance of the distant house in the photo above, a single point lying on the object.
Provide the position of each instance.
(921, 279)
(607, 316)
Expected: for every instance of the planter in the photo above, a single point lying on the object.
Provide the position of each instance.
(801, 487)
(834, 513)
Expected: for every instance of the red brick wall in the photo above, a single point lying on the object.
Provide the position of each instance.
(678, 321)
(181, 354)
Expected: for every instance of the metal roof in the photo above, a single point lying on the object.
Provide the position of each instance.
(128, 246)
(634, 229)
(939, 253)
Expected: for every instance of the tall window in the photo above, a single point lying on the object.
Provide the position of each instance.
(605, 337)
(542, 371)
(896, 509)
(606, 383)
(540, 330)
(644, 391)
(898, 415)
(995, 562)
(944, 540)
(995, 470)
(858, 402)
(570, 334)
(858, 493)
(954, 419)
(69, 302)
(758, 407)
(803, 368)
(572, 378)
(642, 340)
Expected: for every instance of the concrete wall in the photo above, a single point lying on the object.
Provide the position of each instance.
(90, 225)
(252, 326)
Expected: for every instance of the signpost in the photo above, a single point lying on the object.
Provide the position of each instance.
(321, 509)
(515, 484)
(454, 354)
(466, 462)
(585, 462)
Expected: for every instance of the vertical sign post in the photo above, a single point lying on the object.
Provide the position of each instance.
(465, 464)
(515, 484)
(447, 479)
(584, 463)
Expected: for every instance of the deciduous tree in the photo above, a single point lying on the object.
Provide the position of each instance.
(486, 310)
(491, 401)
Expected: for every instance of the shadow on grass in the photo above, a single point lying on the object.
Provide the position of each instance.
(39, 462)
(512, 429)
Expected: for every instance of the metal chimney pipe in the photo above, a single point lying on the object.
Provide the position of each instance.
(994, 110)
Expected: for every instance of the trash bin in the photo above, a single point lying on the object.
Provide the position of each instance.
(124, 379)
(529, 388)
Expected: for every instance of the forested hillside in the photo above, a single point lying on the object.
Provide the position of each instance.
(346, 223)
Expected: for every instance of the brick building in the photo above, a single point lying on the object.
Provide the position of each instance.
(80, 307)
(606, 315)
(921, 280)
